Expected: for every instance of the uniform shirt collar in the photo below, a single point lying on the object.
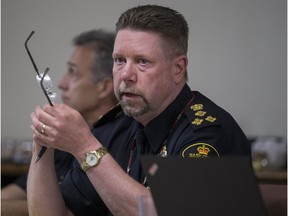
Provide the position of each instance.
(158, 129)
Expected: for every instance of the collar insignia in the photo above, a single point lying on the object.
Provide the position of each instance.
(163, 151)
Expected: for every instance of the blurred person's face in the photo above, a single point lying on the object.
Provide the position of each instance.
(145, 79)
(79, 91)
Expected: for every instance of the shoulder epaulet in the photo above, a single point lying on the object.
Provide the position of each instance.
(110, 115)
(201, 115)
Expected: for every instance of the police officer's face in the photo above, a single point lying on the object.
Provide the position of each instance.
(145, 79)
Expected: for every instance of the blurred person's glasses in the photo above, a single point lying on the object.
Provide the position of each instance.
(42, 78)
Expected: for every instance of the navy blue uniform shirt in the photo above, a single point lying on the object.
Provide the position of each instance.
(191, 126)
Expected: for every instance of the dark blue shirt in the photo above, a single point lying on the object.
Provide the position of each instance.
(191, 126)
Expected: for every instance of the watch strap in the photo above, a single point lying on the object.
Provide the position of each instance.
(99, 153)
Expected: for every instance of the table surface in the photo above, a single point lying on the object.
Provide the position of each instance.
(264, 176)
(272, 176)
(13, 169)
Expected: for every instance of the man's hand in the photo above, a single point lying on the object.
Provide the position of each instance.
(65, 129)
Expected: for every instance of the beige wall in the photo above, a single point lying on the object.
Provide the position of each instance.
(237, 54)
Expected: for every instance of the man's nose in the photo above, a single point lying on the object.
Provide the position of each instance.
(129, 72)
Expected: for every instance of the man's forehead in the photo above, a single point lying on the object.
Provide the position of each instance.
(136, 41)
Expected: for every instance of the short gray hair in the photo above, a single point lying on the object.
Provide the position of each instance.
(168, 23)
(102, 42)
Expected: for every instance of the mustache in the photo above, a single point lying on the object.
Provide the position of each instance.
(125, 89)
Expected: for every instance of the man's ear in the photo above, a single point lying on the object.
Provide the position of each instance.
(105, 87)
(180, 63)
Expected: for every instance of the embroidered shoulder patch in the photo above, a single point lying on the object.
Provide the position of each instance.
(200, 150)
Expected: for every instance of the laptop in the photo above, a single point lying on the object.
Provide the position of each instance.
(223, 186)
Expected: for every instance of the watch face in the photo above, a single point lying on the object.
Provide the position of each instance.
(91, 159)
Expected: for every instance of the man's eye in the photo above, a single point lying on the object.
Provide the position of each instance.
(143, 61)
(119, 60)
(71, 71)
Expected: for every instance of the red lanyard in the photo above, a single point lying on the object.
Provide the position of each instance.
(163, 150)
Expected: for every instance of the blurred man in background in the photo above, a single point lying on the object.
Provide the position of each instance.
(87, 86)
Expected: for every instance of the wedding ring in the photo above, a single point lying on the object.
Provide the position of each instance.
(43, 128)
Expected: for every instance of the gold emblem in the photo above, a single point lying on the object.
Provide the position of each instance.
(210, 119)
(200, 113)
(197, 107)
(197, 121)
(203, 150)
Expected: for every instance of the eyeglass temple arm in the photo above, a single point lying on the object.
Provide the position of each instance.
(42, 86)
(30, 56)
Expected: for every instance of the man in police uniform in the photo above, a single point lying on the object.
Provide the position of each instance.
(157, 114)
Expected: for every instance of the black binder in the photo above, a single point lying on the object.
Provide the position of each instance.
(223, 186)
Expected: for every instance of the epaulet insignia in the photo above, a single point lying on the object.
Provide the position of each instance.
(199, 116)
(210, 119)
(197, 107)
(197, 121)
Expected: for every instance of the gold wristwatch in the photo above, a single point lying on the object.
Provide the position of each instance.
(93, 158)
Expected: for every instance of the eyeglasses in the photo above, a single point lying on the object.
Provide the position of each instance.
(42, 78)
(46, 85)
